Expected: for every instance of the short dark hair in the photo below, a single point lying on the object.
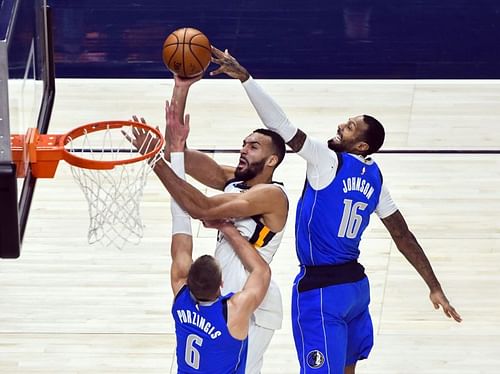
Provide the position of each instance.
(374, 135)
(204, 278)
(278, 143)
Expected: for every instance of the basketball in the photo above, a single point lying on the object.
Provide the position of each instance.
(187, 52)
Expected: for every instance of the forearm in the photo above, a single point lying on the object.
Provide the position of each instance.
(270, 113)
(409, 247)
(415, 255)
(205, 169)
(179, 97)
(248, 255)
(181, 222)
(188, 197)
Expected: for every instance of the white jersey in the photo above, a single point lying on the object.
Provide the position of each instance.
(270, 312)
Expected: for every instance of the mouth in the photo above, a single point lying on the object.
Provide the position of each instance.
(337, 138)
(242, 162)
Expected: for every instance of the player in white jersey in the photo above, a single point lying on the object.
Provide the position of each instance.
(269, 315)
(264, 201)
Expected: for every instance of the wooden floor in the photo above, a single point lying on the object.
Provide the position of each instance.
(67, 307)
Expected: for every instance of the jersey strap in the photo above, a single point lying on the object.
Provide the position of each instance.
(262, 234)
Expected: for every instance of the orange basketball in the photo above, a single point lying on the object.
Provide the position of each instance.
(186, 52)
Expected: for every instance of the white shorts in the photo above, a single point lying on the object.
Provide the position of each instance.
(258, 340)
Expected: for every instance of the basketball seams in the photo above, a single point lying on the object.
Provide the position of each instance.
(194, 54)
(196, 57)
(189, 48)
(191, 43)
(183, 52)
(173, 55)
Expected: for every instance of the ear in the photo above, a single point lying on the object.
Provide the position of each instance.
(362, 147)
(272, 161)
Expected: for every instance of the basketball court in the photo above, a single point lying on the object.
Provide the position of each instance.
(70, 307)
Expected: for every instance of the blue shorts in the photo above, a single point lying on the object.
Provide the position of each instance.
(332, 326)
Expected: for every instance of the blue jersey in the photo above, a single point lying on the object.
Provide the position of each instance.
(204, 344)
(329, 222)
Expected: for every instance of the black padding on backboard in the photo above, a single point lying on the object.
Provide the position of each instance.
(10, 244)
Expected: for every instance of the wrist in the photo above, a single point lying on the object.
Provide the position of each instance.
(244, 76)
(228, 229)
(179, 147)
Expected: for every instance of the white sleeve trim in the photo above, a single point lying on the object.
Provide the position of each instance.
(181, 222)
(270, 113)
(322, 163)
(386, 206)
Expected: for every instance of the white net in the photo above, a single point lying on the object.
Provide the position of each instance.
(113, 195)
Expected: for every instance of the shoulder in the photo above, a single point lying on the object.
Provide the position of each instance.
(242, 303)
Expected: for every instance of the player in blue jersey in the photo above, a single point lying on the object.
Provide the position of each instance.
(332, 326)
(211, 329)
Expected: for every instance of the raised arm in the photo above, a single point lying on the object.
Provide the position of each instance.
(198, 164)
(269, 112)
(407, 244)
(318, 156)
(181, 247)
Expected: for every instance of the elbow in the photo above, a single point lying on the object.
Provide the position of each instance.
(197, 210)
(196, 214)
(266, 274)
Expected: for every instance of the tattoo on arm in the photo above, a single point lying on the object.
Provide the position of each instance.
(407, 244)
(297, 142)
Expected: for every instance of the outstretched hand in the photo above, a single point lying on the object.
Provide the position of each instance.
(228, 65)
(177, 130)
(144, 141)
(439, 299)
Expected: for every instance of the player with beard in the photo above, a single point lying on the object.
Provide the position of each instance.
(331, 323)
(256, 204)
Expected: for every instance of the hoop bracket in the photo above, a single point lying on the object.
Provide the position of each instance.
(41, 151)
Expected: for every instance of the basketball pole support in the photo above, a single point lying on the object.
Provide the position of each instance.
(43, 119)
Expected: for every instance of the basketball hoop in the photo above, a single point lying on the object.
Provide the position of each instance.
(109, 169)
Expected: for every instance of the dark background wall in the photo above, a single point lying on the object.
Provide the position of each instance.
(285, 38)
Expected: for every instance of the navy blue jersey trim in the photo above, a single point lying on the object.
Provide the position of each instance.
(224, 309)
(340, 159)
(183, 288)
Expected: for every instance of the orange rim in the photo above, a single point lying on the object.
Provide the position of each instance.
(44, 151)
(100, 126)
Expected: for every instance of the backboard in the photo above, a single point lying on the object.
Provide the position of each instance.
(26, 98)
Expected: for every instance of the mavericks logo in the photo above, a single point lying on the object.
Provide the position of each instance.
(315, 359)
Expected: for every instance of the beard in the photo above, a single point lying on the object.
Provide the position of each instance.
(334, 146)
(250, 172)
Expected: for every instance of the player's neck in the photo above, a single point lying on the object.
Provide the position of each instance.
(259, 179)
